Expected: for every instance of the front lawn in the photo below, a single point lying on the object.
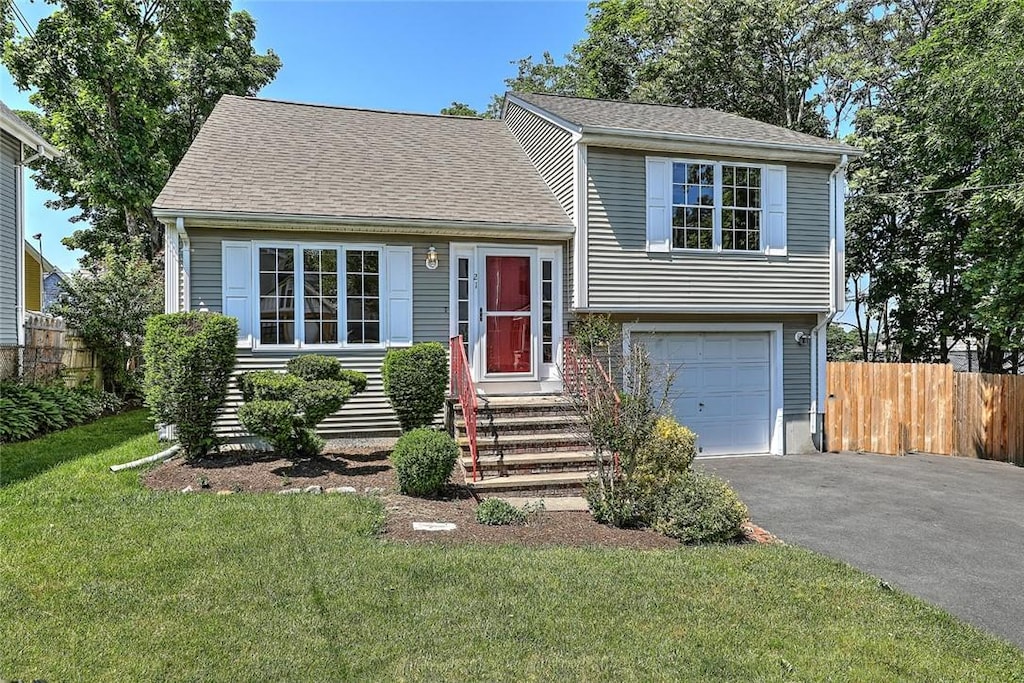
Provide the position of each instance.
(103, 579)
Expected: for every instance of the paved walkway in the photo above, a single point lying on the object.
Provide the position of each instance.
(949, 530)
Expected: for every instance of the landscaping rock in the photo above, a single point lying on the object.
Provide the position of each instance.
(376, 490)
(285, 492)
(341, 489)
(225, 492)
(315, 488)
(433, 526)
(187, 489)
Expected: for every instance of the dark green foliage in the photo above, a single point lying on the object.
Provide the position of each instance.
(28, 411)
(423, 460)
(189, 359)
(415, 380)
(268, 385)
(497, 512)
(699, 508)
(284, 408)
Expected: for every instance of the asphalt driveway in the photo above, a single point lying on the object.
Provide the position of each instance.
(949, 530)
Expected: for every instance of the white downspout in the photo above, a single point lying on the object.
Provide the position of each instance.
(837, 293)
(186, 265)
(19, 253)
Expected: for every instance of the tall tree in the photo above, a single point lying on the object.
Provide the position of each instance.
(123, 87)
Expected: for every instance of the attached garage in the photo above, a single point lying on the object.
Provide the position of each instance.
(725, 384)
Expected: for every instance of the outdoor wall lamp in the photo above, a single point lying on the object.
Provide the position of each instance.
(431, 262)
(801, 338)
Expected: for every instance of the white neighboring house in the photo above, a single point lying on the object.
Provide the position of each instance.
(19, 145)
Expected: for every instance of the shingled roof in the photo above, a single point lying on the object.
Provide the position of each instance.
(637, 117)
(273, 158)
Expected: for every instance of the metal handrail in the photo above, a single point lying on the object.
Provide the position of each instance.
(576, 363)
(464, 388)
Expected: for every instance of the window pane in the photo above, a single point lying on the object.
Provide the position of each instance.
(268, 333)
(268, 283)
(354, 284)
(354, 261)
(463, 310)
(285, 259)
(312, 333)
(464, 267)
(286, 333)
(329, 261)
(545, 270)
(371, 285)
(508, 343)
(678, 194)
(355, 333)
(329, 333)
(371, 309)
(546, 291)
(355, 309)
(371, 333)
(268, 259)
(370, 262)
(329, 284)
(463, 289)
(508, 283)
(678, 173)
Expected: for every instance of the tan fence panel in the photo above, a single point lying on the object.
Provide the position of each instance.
(890, 408)
(990, 417)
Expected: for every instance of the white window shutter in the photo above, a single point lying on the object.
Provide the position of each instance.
(659, 204)
(398, 271)
(236, 287)
(775, 210)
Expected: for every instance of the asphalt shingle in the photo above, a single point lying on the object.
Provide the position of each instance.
(663, 118)
(282, 158)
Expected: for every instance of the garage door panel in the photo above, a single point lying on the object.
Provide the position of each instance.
(720, 388)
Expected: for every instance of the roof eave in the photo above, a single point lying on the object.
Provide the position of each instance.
(629, 137)
(14, 125)
(406, 226)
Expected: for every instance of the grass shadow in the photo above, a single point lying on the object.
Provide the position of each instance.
(24, 460)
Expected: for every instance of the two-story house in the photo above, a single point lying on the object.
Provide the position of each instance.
(715, 240)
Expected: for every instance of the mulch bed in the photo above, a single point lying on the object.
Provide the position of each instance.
(366, 468)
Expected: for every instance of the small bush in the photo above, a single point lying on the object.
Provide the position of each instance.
(415, 380)
(700, 508)
(423, 460)
(284, 407)
(189, 358)
(670, 450)
(497, 512)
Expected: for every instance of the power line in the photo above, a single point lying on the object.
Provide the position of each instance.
(21, 18)
(969, 188)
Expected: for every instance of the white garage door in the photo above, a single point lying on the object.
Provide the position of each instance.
(721, 386)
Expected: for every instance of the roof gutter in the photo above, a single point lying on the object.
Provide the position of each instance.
(13, 124)
(595, 134)
(407, 226)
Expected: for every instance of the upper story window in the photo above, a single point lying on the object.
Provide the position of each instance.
(714, 206)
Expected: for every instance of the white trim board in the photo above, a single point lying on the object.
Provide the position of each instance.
(777, 417)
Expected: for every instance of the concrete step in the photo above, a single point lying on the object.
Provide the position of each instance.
(527, 423)
(522, 482)
(528, 459)
(509, 444)
(508, 406)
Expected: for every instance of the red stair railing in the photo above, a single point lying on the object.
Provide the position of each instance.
(463, 387)
(576, 366)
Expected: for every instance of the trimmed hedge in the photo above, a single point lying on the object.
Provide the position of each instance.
(284, 408)
(28, 411)
(415, 381)
(189, 358)
(423, 460)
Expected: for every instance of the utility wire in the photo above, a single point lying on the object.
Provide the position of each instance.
(906, 193)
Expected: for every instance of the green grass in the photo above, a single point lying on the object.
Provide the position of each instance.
(102, 579)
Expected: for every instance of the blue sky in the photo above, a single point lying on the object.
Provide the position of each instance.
(407, 56)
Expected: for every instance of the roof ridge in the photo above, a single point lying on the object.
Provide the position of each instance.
(608, 99)
(319, 105)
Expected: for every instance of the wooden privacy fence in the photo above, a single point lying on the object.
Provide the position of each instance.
(51, 350)
(895, 408)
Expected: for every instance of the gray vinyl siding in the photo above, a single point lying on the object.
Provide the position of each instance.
(549, 147)
(10, 151)
(369, 412)
(622, 274)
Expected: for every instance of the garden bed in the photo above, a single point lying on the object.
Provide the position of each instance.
(364, 466)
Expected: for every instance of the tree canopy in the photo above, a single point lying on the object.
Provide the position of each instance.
(122, 87)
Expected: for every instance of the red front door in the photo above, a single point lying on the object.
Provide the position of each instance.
(508, 315)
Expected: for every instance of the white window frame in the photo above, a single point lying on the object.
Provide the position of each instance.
(716, 234)
(300, 328)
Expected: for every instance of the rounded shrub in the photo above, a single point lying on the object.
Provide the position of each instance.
(497, 512)
(189, 358)
(284, 407)
(415, 380)
(314, 367)
(670, 450)
(699, 508)
(423, 460)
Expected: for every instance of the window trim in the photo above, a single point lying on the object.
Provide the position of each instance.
(716, 233)
(300, 328)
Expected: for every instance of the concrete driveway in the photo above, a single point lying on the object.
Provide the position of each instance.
(949, 530)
